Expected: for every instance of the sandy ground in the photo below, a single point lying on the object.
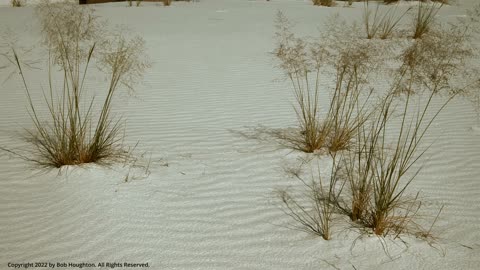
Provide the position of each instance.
(212, 207)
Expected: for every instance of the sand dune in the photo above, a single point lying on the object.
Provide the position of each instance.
(211, 207)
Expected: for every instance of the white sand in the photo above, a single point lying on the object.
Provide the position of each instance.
(212, 207)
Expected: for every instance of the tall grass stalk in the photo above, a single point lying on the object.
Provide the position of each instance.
(359, 175)
(303, 62)
(378, 24)
(299, 63)
(391, 165)
(424, 18)
(372, 25)
(317, 217)
(75, 131)
(347, 111)
(379, 170)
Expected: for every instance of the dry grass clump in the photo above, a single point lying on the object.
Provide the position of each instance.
(16, 3)
(137, 3)
(314, 216)
(326, 3)
(297, 61)
(381, 24)
(74, 132)
(348, 107)
(379, 171)
(304, 62)
(369, 182)
(392, 166)
(357, 165)
(68, 137)
(425, 18)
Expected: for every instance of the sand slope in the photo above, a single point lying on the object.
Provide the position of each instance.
(212, 206)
